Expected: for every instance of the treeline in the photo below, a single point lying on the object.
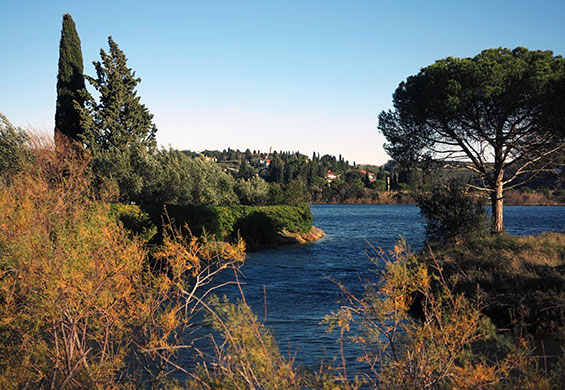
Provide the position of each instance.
(113, 133)
(290, 177)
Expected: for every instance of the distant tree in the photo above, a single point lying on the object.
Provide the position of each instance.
(70, 84)
(353, 175)
(254, 191)
(496, 112)
(119, 129)
(296, 193)
(178, 179)
(276, 194)
(276, 170)
(379, 185)
(246, 171)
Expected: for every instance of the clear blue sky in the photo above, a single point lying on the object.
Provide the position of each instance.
(295, 75)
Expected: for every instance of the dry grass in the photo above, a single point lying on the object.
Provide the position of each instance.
(517, 198)
(520, 279)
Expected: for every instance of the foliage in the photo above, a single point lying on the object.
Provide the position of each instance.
(134, 219)
(295, 193)
(14, 153)
(80, 306)
(178, 179)
(119, 132)
(254, 191)
(124, 173)
(498, 105)
(257, 225)
(435, 351)
(451, 213)
(246, 171)
(70, 83)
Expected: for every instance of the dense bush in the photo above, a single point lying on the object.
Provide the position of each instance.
(451, 213)
(134, 219)
(79, 307)
(450, 345)
(254, 191)
(179, 179)
(257, 225)
(13, 149)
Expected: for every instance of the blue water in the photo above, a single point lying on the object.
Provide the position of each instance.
(297, 279)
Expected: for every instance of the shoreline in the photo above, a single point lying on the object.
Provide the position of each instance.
(555, 204)
(288, 238)
(511, 198)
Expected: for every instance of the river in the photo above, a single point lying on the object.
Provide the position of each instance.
(297, 279)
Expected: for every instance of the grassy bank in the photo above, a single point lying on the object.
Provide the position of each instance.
(519, 280)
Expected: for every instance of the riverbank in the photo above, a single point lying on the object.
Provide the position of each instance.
(511, 198)
(519, 281)
(258, 226)
(288, 238)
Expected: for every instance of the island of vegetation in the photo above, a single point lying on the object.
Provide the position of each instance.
(110, 246)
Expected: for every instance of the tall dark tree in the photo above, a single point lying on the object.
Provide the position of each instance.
(119, 120)
(119, 129)
(70, 84)
(496, 112)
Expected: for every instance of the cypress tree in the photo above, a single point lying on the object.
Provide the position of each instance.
(70, 83)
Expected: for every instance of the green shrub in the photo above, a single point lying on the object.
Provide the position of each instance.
(379, 185)
(257, 225)
(254, 191)
(451, 214)
(404, 187)
(134, 219)
(544, 191)
(13, 149)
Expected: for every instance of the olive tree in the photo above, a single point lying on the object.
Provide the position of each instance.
(497, 112)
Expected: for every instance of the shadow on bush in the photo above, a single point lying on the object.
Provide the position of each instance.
(259, 226)
(451, 214)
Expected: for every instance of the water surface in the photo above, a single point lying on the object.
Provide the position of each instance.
(297, 279)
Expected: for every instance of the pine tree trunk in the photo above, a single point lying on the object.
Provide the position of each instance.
(497, 204)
